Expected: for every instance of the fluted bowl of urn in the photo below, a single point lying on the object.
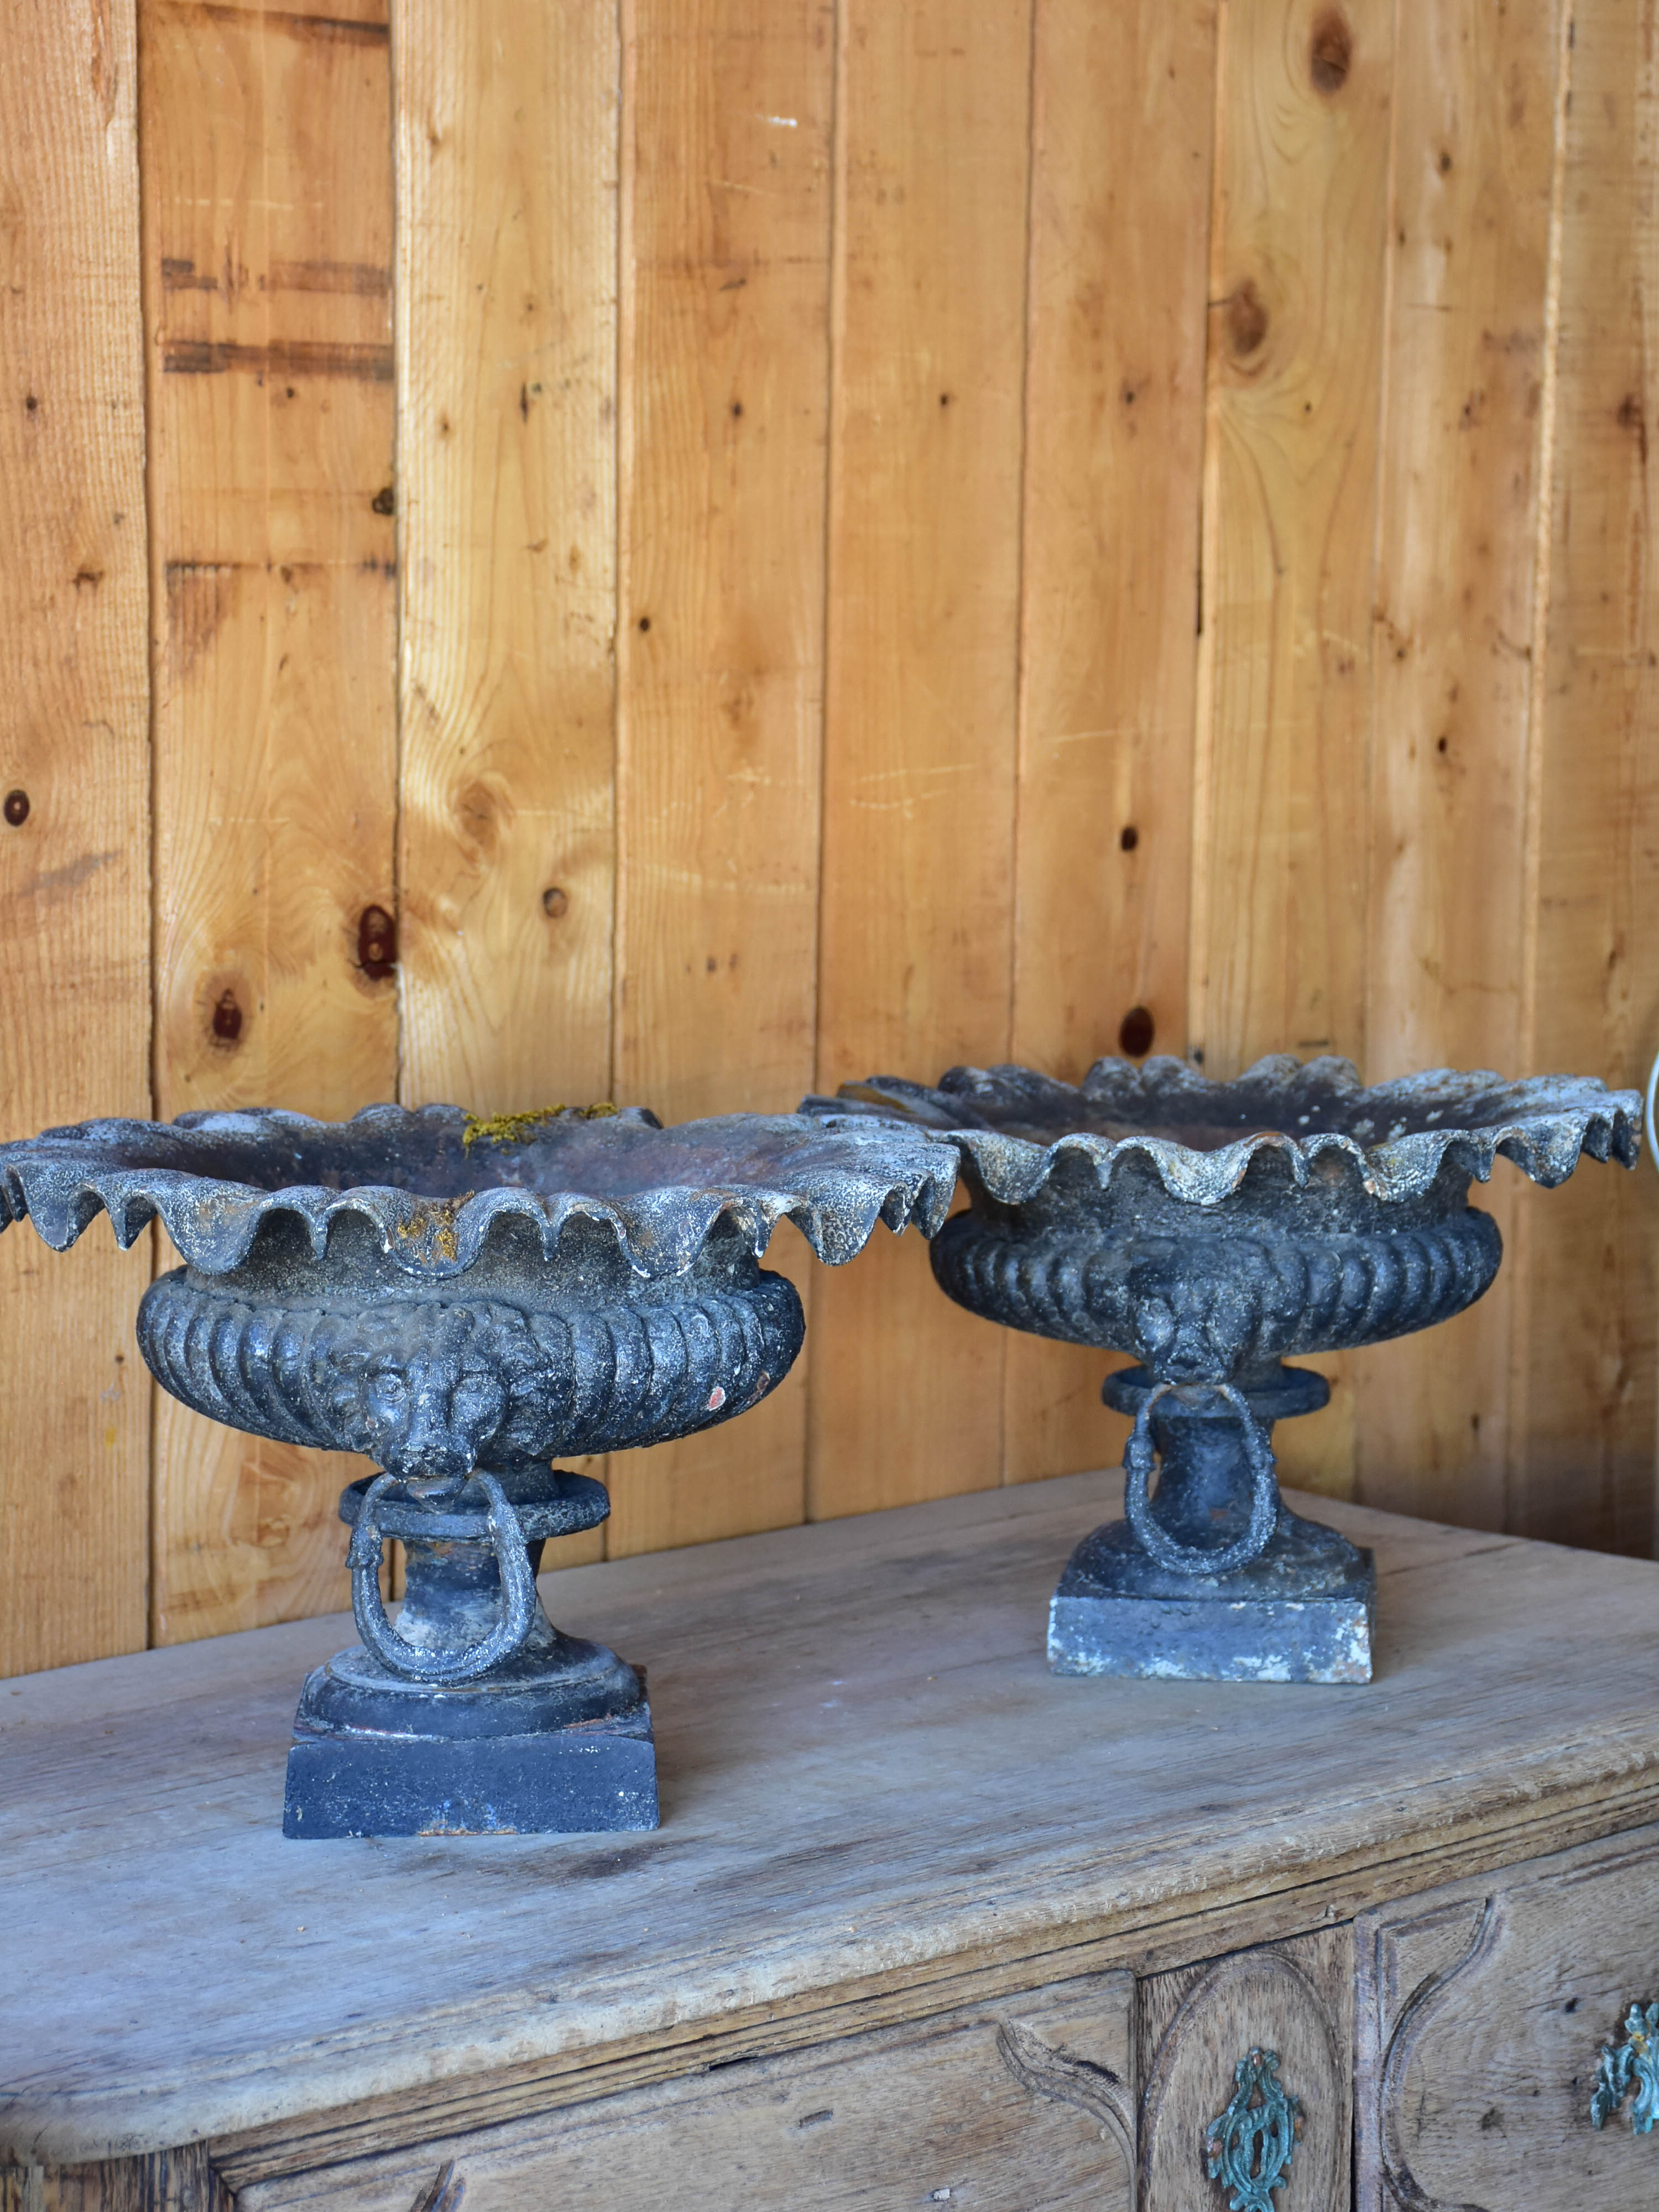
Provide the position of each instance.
(1213, 1231)
(463, 1301)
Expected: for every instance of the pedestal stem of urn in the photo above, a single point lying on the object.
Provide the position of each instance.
(1188, 1584)
(1210, 1470)
(1218, 1489)
(473, 1714)
(468, 1604)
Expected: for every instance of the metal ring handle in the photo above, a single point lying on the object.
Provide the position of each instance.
(1194, 1558)
(394, 1650)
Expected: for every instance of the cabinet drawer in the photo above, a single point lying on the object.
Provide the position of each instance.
(1482, 2010)
(1023, 2105)
(1293, 2003)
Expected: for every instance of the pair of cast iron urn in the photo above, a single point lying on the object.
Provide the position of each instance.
(464, 1302)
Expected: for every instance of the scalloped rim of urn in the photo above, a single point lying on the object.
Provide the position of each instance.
(1544, 1124)
(835, 1184)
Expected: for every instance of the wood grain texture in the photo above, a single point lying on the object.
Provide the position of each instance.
(267, 202)
(1297, 324)
(726, 407)
(178, 2180)
(852, 1722)
(951, 2104)
(1451, 668)
(1122, 123)
(1402, 1958)
(506, 342)
(1583, 1427)
(1197, 2023)
(933, 137)
(1298, 285)
(74, 869)
(1483, 2010)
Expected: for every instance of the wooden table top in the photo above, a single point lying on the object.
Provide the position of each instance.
(876, 1801)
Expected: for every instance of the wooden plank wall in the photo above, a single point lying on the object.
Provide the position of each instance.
(691, 552)
(75, 845)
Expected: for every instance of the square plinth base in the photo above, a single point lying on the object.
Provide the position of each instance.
(565, 1782)
(1213, 1639)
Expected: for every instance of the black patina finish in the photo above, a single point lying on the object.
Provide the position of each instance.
(462, 1302)
(1213, 1230)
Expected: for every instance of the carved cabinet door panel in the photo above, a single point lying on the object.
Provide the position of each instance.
(1024, 2104)
(1483, 2011)
(1248, 2067)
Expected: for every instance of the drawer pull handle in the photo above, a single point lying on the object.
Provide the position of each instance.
(1249, 2145)
(1631, 2064)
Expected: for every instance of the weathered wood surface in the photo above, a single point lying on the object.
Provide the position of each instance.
(1484, 2007)
(1195, 2024)
(877, 1804)
(179, 2180)
(75, 830)
(1022, 2106)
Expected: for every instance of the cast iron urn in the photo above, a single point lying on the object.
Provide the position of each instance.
(463, 1301)
(1213, 1230)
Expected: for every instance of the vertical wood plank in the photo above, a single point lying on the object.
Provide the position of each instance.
(1584, 1430)
(931, 185)
(1474, 117)
(721, 633)
(267, 196)
(74, 867)
(507, 168)
(1296, 331)
(1123, 114)
(507, 150)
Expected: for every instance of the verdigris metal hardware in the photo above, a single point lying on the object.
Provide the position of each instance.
(1213, 1230)
(1249, 2145)
(461, 1301)
(1631, 2064)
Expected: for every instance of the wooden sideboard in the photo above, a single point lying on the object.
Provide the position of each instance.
(923, 1923)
